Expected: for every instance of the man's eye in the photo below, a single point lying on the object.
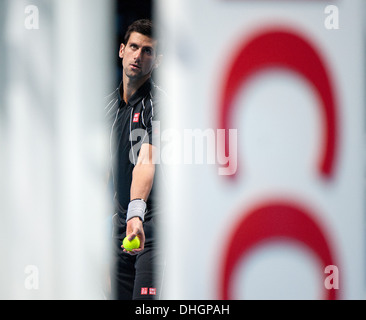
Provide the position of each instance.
(149, 51)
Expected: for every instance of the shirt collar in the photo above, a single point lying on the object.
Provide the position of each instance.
(136, 97)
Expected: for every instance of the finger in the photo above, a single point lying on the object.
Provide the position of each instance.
(130, 252)
(132, 236)
(136, 251)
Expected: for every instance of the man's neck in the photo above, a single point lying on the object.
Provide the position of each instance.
(130, 86)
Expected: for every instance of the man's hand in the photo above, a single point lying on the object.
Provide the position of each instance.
(135, 229)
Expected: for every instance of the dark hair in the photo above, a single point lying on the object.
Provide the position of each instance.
(143, 26)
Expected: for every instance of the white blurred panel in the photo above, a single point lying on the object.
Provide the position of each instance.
(281, 129)
(54, 148)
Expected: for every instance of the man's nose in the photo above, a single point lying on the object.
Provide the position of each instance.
(137, 55)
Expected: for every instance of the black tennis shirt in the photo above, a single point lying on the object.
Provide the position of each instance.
(131, 125)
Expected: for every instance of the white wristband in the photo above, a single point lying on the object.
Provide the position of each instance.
(136, 208)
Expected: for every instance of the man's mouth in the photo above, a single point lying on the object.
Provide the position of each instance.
(135, 66)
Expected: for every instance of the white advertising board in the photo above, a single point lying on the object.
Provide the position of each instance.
(274, 208)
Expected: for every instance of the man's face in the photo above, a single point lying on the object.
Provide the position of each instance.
(139, 56)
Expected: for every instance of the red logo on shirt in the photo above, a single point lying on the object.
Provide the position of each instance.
(136, 117)
(144, 291)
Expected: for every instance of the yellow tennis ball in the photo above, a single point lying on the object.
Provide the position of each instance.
(130, 245)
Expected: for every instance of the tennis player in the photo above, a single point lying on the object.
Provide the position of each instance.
(131, 110)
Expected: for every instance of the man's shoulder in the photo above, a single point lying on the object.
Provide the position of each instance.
(111, 96)
(157, 95)
(157, 92)
(111, 103)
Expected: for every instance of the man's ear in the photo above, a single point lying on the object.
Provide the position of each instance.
(158, 61)
(121, 50)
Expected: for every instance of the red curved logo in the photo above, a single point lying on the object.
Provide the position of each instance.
(280, 220)
(288, 51)
(274, 222)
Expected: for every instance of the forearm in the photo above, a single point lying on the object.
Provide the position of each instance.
(142, 181)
